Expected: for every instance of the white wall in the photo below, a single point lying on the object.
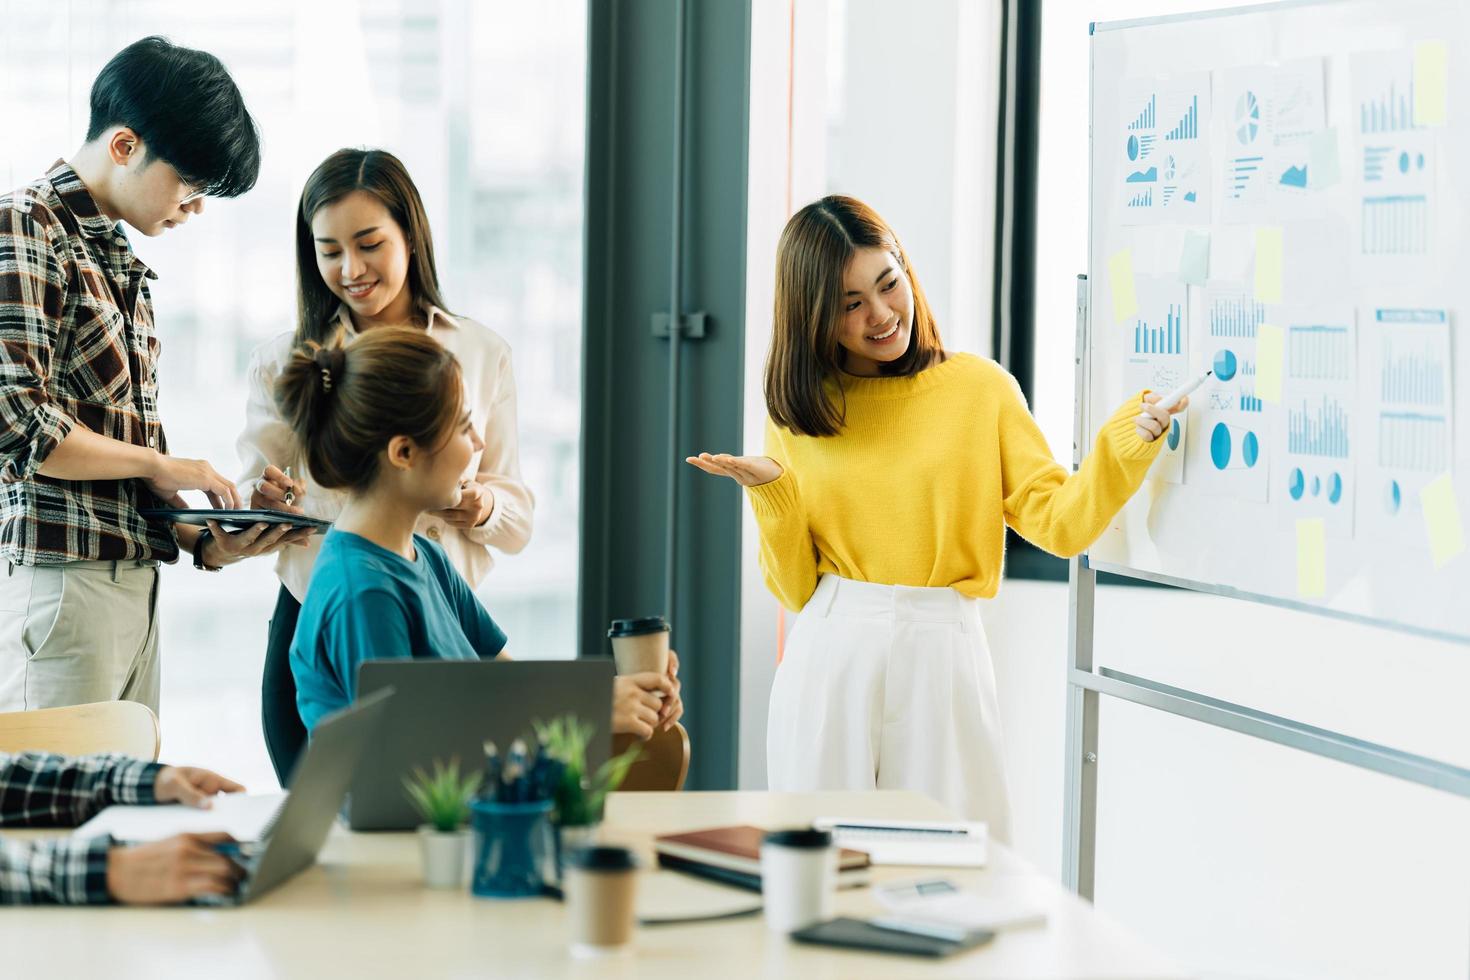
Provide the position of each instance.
(1236, 856)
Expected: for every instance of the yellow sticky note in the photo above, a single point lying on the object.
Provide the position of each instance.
(1431, 83)
(1442, 520)
(1120, 278)
(1270, 353)
(1269, 248)
(1311, 557)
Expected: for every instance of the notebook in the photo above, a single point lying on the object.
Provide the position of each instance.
(245, 818)
(733, 855)
(919, 843)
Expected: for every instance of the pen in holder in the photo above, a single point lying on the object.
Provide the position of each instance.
(514, 849)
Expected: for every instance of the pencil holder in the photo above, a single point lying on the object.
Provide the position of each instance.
(514, 848)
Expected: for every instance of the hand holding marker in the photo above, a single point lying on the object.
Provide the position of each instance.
(1153, 416)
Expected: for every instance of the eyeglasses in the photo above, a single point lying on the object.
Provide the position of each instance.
(192, 196)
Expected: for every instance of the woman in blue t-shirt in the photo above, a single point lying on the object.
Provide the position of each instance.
(383, 417)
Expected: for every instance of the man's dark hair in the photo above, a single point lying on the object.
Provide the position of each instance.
(185, 107)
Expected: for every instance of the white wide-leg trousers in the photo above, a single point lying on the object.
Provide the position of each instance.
(890, 687)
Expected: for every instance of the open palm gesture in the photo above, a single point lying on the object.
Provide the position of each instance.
(748, 471)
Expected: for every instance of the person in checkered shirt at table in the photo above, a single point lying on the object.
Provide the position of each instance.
(82, 450)
(38, 789)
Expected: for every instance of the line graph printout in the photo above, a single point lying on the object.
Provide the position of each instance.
(1319, 398)
(1229, 448)
(1163, 153)
(1407, 386)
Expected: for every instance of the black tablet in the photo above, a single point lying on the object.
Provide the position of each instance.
(232, 520)
(861, 934)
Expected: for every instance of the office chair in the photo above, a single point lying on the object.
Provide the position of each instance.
(661, 766)
(83, 729)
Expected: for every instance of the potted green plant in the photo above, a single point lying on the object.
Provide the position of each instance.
(579, 798)
(443, 800)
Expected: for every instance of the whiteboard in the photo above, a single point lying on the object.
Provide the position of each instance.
(1323, 467)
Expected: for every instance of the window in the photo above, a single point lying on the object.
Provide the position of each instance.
(485, 105)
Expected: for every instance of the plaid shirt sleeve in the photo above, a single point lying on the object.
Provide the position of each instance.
(32, 301)
(40, 789)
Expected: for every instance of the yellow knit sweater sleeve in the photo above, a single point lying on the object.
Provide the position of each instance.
(1065, 512)
(787, 555)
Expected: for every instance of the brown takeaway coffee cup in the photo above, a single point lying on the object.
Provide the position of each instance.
(600, 885)
(640, 645)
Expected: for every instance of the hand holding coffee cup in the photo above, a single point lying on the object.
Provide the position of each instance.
(638, 703)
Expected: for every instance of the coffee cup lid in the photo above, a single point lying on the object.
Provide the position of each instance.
(602, 859)
(637, 627)
(806, 838)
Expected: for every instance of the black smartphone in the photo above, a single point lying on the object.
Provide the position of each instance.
(862, 934)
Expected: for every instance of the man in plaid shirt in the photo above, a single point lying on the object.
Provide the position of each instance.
(40, 789)
(82, 450)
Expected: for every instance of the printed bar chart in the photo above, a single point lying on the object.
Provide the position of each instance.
(1412, 376)
(1376, 161)
(1319, 352)
(1396, 224)
(1160, 340)
(1318, 430)
(1188, 127)
(1413, 441)
(1143, 199)
(1242, 172)
(1250, 403)
(1389, 112)
(1235, 317)
(1145, 118)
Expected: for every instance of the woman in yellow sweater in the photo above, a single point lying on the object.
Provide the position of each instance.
(892, 470)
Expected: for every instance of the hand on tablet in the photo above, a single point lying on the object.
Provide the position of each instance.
(171, 475)
(225, 548)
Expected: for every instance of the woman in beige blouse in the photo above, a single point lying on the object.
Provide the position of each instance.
(365, 259)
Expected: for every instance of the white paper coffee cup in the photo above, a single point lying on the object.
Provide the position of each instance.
(798, 878)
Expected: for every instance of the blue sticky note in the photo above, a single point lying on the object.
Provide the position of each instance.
(1194, 261)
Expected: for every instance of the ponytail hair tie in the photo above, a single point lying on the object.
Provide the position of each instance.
(331, 361)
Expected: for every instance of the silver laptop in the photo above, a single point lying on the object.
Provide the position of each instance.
(292, 840)
(448, 709)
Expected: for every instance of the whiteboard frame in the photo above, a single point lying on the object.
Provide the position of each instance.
(1086, 685)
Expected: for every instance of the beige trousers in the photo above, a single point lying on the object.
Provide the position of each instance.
(76, 633)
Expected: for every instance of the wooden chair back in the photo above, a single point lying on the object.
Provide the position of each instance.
(83, 729)
(661, 766)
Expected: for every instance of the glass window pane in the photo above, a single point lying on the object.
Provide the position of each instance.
(485, 105)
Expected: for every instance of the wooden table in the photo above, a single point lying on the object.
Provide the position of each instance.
(362, 913)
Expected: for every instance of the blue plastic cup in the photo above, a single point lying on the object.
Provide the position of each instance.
(515, 852)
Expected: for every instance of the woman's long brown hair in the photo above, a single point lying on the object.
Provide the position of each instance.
(805, 358)
(384, 176)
